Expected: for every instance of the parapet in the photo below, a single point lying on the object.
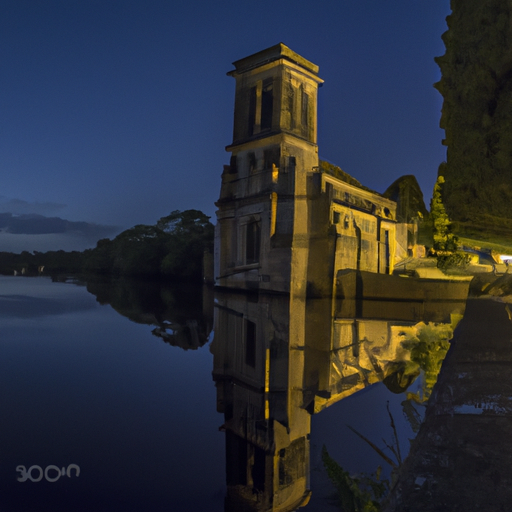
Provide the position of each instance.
(276, 52)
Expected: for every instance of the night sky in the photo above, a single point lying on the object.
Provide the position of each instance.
(117, 112)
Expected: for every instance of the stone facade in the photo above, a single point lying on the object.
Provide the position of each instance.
(284, 222)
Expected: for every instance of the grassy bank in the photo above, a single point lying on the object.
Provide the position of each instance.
(496, 244)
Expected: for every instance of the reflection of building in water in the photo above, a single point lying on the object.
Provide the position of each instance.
(258, 368)
(273, 368)
(363, 321)
(283, 216)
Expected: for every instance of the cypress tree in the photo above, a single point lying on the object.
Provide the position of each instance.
(444, 239)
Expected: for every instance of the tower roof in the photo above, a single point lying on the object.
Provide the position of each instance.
(276, 52)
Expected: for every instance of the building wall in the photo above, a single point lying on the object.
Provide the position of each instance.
(283, 224)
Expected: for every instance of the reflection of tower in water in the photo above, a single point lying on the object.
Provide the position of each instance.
(258, 375)
(269, 384)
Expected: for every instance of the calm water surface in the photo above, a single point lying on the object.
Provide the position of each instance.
(84, 385)
(81, 384)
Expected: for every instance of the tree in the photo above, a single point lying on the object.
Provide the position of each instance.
(174, 247)
(100, 259)
(406, 192)
(444, 239)
(139, 251)
(477, 113)
(190, 235)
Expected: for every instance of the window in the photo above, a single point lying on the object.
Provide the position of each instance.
(251, 160)
(261, 107)
(271, 156)
(252, 242)
(250, 343)
(252, 110)
(304, 113)
(267, 105)
(289, 164)
(233, 166)
(290, 103)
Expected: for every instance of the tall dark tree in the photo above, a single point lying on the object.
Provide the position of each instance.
(409, 198)
(476, 85)
(190, 235)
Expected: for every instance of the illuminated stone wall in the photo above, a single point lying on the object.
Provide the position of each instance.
(285, 223)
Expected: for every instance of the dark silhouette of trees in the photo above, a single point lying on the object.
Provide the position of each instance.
(190, 235)
(173, 248)
(477, 113)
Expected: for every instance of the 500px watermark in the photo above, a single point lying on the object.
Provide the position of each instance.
(51, 473)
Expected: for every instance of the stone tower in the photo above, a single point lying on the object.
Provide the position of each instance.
(262, 229)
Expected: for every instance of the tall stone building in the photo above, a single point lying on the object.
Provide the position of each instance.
(287, 222)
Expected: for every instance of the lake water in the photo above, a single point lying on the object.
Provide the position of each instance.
(108, 404)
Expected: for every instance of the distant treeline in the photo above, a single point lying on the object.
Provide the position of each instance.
(173, 248)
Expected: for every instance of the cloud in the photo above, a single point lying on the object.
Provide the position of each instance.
(36, 232)
(10, 242)
(35, 224)
(20, 206)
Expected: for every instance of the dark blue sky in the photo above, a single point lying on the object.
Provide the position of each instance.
(118, 111)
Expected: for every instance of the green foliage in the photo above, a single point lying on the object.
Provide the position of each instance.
(456, 261)
(477, 111)
(174, 310)
(485, 227)
(173, 248)
(428, 349)
(187, 223)
(410, 412)
(359, 493)
(99, 260)
(364, 492)
(52, 261)
(190, 234)
(138, 251)
(444, 239)
(409, 198)
(499, 245)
